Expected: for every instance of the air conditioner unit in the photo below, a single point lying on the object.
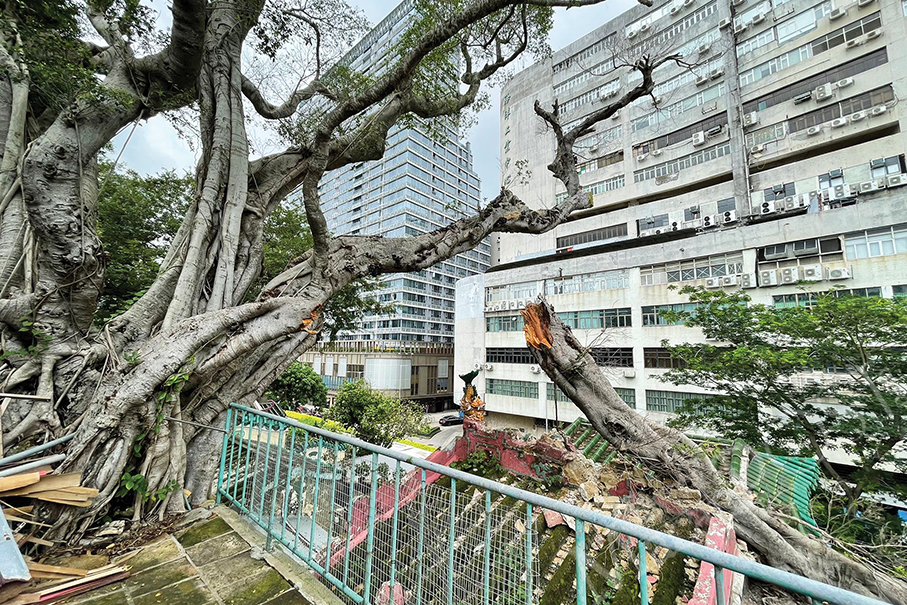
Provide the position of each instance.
(709, 220)
(756, 149)
(476, 366)
(868, 186)
(750, 119)
(807, 247)
(535, 369)
(641, 157)
(632, 34)
(728, 217)
(704, 48)
(675, 9)
(488, 367)
(790, 275)
(740, 28)
(612, 93)
(872, 35)
(644, 27)
(768, 277)
(824, 92)
(729, 280)
(862, 3)
(854, 43)
(856, 117)
(628, 373)
(657, 101)
(837, 13)
(842, 192)
(835, 274)
(713, 282)
(512, 304)
(812, 272)
(724, 23)
(844, 83)
(701, 80)
(779, 188)
(521, 304)
(836, 173)
(748, 280)
(877, 111)
(716, 73)
(838, 123)
(877, 163)
(656, 152)
(758, 19)
(896, 180)
(689, 2)
(813, 130)
(698, 139)
(500, 307)
(791, 202)
(713, 131)
(767, 207)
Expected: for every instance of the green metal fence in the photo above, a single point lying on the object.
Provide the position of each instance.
(382, 527)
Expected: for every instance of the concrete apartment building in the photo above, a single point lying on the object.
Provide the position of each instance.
(423, 182)
(780, 159)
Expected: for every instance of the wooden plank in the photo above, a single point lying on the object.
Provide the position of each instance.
(92, 576)
(47, 482)
(15, 482)
(59, 495)
(91, 492)
(21, 520)
(57, 569)
(80, 504)
(26, 397)
(17, 510)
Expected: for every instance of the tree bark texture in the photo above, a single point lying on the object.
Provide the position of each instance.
(671, 454)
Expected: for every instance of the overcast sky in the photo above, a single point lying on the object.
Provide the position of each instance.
(155, 144)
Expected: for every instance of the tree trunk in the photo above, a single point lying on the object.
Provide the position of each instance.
(670, 453)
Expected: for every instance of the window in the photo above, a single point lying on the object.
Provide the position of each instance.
(845, 70)
(882, 167)
(595, 235)
(661, 358)
(508, 355)
(595, 188)
(779, 192)
(652, 222)
(697, 268)
(899, 291)
(877, 242)
(671, 111)
(801, 299)
(675, 166)
(802, 23)
(512, 323)
(510, 292)
(727, 205)
(628, 395)
(613, 357)
(667, 401)
(592, 282)
(512, 388)
(827, 180)
(652, 315)
(681, 135)
(597, 319)
(859, 292)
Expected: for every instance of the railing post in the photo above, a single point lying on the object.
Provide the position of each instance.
(315, 497)
(528, 554)
(486, 575)
(396, 515)
(370, 539)
(580, 562)
(719, 584)
(643, 576)
(328, 550)
(274, 490)
(264, 476)
(286, 493)
(305, 467)
(450, 541)
(421, 545)
(349, 516)
(245, 477)
(235, 455)
(223, 457)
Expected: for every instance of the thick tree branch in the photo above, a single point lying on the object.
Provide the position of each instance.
(285, 110)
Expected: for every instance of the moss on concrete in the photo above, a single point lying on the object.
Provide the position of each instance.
(154, 554)
(560, 588)
(628, 591)
(551, 546)
(203, 531)
(262, 588)
(158, 577)
(190, 592)
(670, 580)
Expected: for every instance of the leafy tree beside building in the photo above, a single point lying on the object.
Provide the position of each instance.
(802, 380)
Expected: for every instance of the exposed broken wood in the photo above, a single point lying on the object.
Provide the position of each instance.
(16, 482)
(58, 570)
(43, 484)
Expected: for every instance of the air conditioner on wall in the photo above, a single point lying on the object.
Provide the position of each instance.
(802, 97)
(709, 220)
(701, 80)
(835, 274)
(535, 369)
(713, 282)
(855, 42)
(812, 272)
(862, 3)
(837, 13)
(716, 73)
(896, 180)
(872, 35)
(857, 116)
(757, 149)
(675, 9)
(729, 280)
(656, 152)
(641, 157)
(728, 217)
(740, 28)
(488, 367)
(868, 186)
(748, 280)
(758, 19)
(844, 83)
(704, 48)
(877, 111)
(768, 277)
(790, 275)
(724, 23)
(750, 119)
(698, 139)
(824, 92)
(839, 122)
(767, 207)
(813, 130)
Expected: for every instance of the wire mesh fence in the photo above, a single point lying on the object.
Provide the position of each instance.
(379, 529)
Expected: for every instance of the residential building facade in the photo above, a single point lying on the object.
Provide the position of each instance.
(775, 166)
(424, 181)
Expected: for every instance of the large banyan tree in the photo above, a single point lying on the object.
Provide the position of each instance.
(75, 74)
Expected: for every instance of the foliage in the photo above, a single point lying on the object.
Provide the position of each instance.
(374, 416)
(481, 463)
(299, 385)
(322, 423)
(421, 446)
(137, 219)
(861, 407)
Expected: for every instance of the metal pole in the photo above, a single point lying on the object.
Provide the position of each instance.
(421, 545)
(370, 539)
(643, 576)
(38, 448)
(580, 562)
(274, 491)
(486, 575)
(305, 466)
(450, 541)
(223, 460)
(528, 554)
(286, 492)
(315, 497)
(349, 515)
(328, 550)
(32, 465)
(396, 516)
(719, 584)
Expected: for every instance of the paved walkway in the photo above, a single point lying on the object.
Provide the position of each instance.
(211, 563)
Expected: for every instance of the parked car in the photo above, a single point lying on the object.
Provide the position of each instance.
(451, 420)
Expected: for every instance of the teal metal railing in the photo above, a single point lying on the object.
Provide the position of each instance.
(382, 527)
